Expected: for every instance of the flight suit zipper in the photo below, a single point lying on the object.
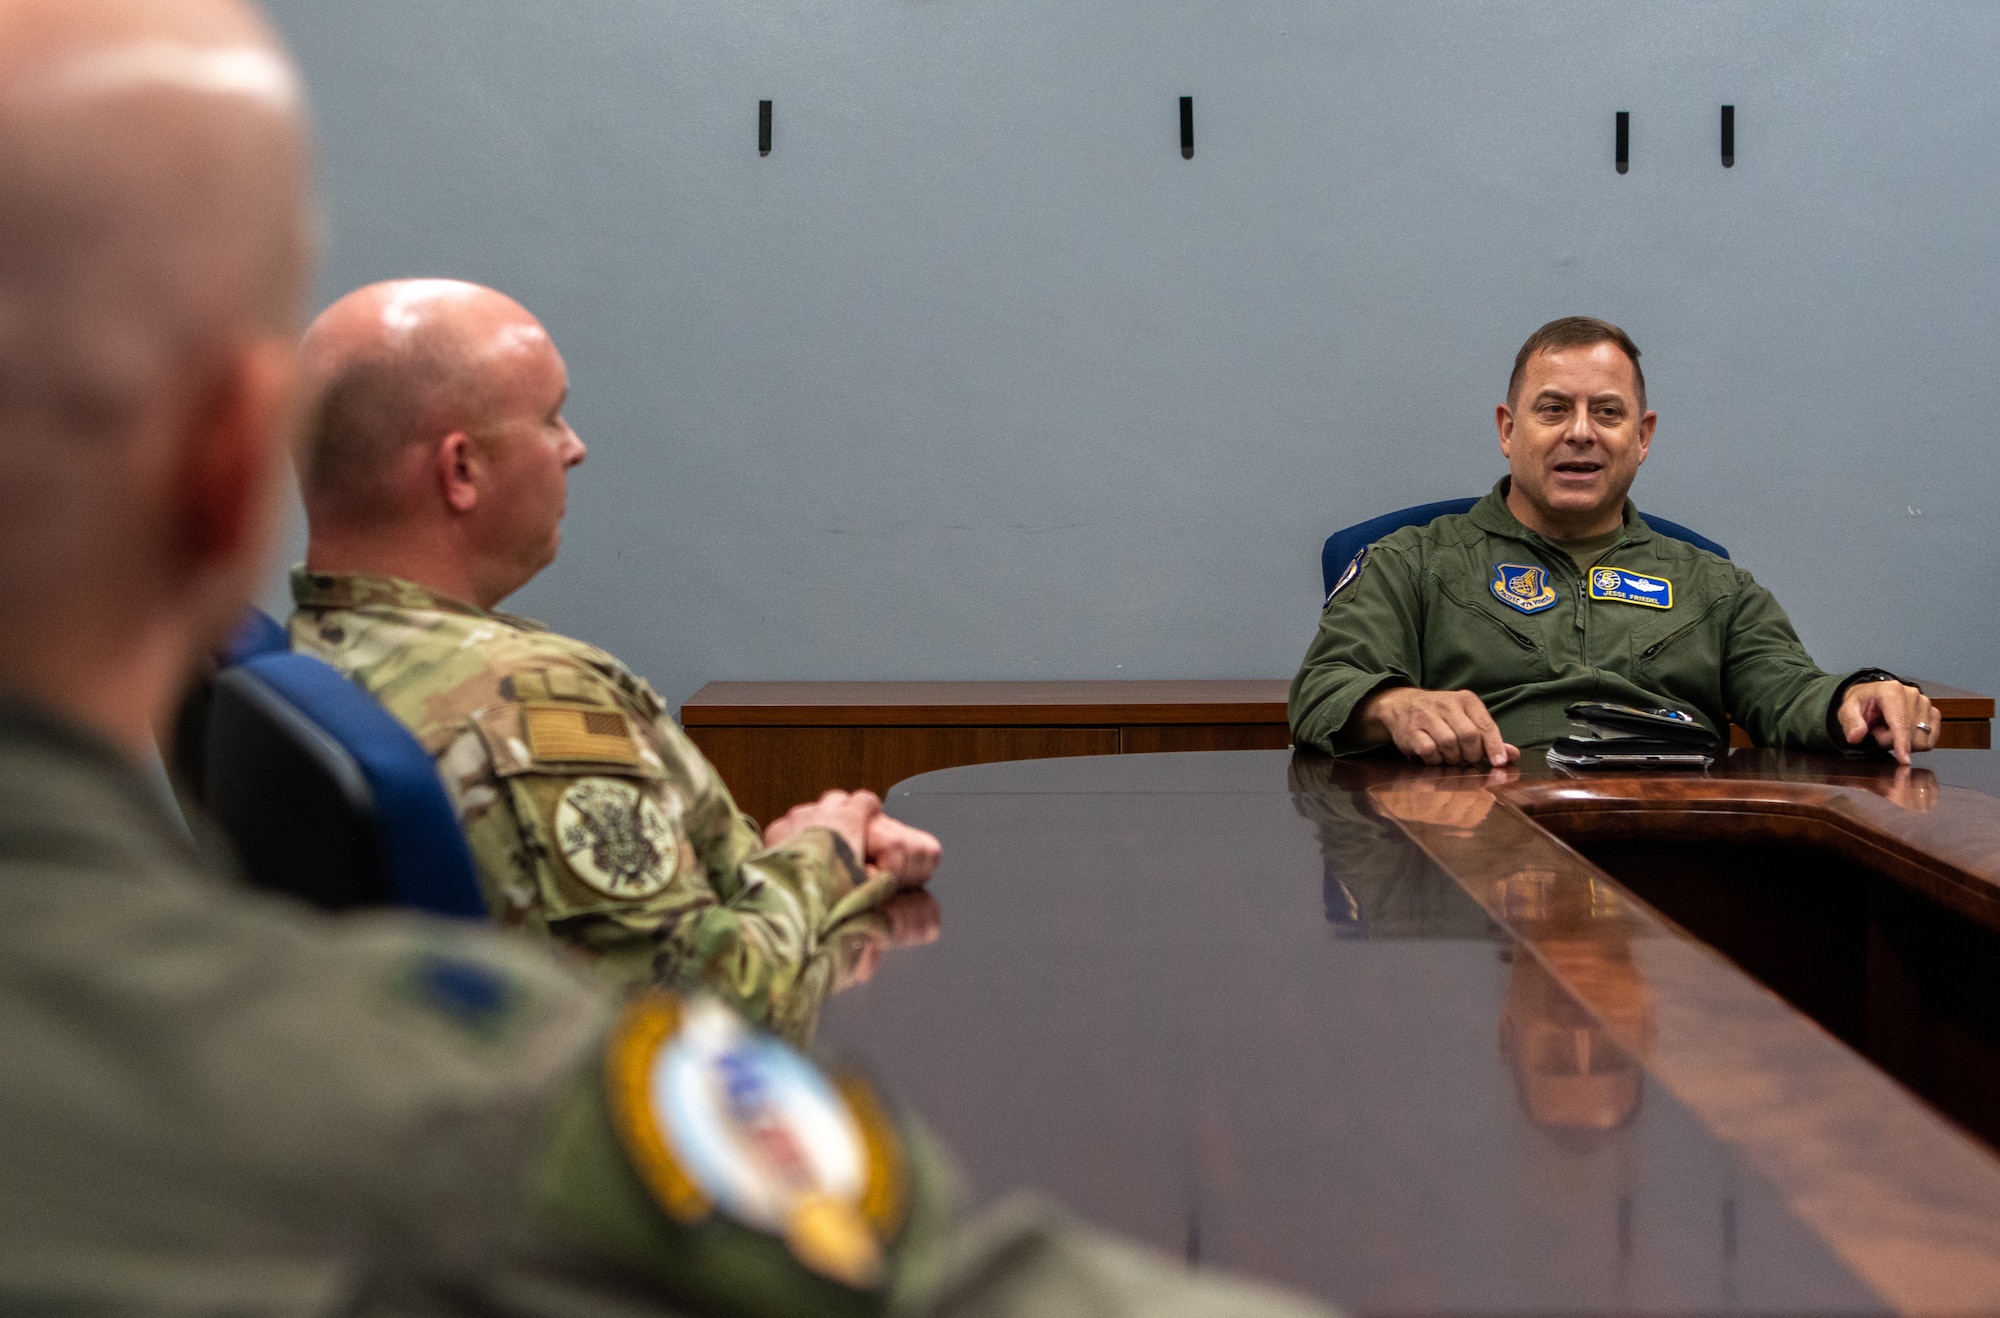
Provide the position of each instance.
(1524, 642)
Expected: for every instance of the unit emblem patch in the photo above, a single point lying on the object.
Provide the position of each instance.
(615, 838)
(1523, 586)
(718, 1117)
(1615, 583)
(1349, 573)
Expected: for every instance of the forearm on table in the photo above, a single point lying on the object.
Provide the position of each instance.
(1330, 708)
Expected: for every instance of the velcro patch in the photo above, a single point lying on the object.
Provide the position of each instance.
(592, 736)
(1523, 586)
(616, 839)
(716, 1116)
(478, 998)
(1617, 583)
(1349, 573)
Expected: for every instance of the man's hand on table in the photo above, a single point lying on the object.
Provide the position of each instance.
(1899, 717)
(1437, 727)
(910, 854)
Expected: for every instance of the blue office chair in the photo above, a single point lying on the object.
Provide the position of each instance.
(325, 794)
(1343, 545)
(259, 633)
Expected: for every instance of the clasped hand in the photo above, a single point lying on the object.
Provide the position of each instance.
(910, 854)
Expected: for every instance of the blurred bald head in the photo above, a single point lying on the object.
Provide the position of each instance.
(151, 195)
(435, 447)
(153, 250)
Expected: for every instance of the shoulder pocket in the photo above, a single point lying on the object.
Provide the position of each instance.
(536, 736)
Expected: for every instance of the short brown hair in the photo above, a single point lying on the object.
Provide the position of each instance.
(1576, 332)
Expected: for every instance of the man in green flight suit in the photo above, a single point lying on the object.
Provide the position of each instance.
(434, 468)
(216, 1101)
(1462, 641)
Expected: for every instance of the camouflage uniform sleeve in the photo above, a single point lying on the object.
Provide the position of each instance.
(611, 831)
(1772, 687)
(768, 942)
(1369, 638)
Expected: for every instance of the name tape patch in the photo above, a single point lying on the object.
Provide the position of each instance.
(1627, 587)
(1523, 586)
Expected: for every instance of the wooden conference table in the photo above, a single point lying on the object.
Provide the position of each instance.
(1387, 1034)
(779, 743)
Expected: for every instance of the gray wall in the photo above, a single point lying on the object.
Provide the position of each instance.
(975, 377)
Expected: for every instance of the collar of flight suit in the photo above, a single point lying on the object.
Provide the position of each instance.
(354, 590)
(59, 756)
(1492, 515)
(358, 590)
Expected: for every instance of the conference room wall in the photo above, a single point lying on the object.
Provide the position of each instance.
(975, 377)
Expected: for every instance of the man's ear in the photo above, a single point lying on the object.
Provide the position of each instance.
(1503, 421)
(458, 472)
(1646, 425)
(233, 453)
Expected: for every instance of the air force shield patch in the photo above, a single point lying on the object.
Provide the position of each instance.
(1523, 586)
(1616, 583)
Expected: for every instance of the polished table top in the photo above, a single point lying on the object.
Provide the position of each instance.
(1373, 1031)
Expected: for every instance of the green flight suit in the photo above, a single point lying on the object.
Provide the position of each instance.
(590, 815)
(1478, 602)
(217, 1101)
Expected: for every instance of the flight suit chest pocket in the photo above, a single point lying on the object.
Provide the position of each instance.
(600, 821)
(1681, 657)
(1471, 644)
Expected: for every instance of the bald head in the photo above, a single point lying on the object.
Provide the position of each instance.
(151, 196)
(153, 252)
(435, 447)
(392, 368)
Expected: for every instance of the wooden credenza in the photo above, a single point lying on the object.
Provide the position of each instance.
(779, 743)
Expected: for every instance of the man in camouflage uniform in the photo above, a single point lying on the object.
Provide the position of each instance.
(1461, 641)
(434, 470)
(214, 1101)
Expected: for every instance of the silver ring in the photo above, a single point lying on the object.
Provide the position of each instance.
(1923, 727)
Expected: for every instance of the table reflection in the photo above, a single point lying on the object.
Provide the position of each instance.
(1371, 1030)
(1573, 1058)
(852, 953)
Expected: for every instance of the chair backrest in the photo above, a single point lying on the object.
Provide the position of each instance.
(327, 796)
(1344, 544)
(258, 633)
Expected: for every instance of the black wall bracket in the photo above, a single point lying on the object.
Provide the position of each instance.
(1729, 137)
(763, 128)
(1187, 128)
(1624, 147)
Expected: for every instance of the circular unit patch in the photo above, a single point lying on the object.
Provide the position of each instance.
(721, 1116)
(615, 838)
